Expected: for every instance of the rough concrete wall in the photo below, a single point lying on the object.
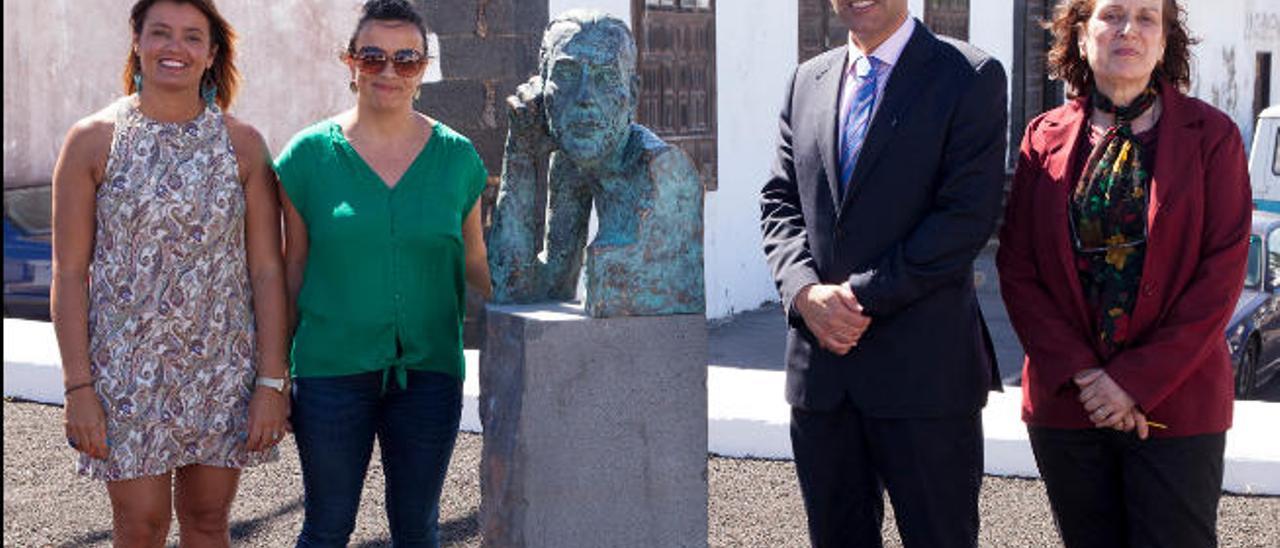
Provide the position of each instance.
(63, 60)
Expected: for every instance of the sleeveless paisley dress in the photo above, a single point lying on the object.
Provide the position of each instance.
(171, 329)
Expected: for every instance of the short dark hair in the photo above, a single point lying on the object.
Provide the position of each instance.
(1066, 64)
(223, 37)
(390, 10)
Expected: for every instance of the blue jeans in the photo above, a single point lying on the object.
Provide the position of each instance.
(335, 420)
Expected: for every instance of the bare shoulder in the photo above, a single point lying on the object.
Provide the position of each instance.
(93, 132)
(88, 142)
(247, 141)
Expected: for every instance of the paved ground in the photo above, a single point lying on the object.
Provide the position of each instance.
(754, 503)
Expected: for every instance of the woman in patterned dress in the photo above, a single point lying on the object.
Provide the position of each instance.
(168, 287)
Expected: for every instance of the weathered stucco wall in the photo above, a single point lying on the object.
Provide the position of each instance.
(1232, 32)
(63, 60)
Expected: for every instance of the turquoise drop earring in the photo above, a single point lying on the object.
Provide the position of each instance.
(208, 88)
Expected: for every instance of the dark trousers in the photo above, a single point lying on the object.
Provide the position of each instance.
(1110, 489)
(335, 420)
(932, 468)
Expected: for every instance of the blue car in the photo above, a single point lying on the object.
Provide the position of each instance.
(28, 252)
(1253, 335)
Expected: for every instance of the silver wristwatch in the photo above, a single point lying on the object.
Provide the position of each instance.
(275, 383)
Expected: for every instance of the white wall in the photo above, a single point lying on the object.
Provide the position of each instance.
(63, 60)
(617, 8)
(1231, 33)
(993, 33)
(916, 7)
(752, 71)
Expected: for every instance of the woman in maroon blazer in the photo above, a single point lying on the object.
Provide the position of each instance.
(1121, 258)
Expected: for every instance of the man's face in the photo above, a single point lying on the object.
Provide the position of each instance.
(870, 21)
(589, 96)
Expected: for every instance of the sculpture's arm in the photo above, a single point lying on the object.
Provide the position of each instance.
(516, 230)
(568, 215)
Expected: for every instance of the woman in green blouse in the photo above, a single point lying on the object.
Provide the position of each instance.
(381, 231)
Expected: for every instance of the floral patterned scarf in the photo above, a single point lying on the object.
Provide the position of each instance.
(1108, 218)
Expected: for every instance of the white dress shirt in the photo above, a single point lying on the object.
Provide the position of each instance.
(887, 53)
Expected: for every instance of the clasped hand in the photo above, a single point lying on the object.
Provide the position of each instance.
(1108, 405)
(833, 315)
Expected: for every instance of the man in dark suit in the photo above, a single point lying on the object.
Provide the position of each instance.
(887, 184)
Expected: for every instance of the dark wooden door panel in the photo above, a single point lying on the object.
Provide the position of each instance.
(676, 43)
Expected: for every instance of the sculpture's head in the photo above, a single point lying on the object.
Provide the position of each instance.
(588, 68)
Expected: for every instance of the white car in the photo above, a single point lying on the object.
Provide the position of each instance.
(1264, 161)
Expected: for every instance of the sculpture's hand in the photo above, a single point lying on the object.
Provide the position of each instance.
(529, 132)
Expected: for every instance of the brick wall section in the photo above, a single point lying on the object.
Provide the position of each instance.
(487, 48)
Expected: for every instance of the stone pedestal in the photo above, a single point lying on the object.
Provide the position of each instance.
(595, 430)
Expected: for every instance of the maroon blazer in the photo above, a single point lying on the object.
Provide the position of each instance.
(1176, 366)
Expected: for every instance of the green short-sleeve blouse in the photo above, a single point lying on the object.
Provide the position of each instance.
(383, 286)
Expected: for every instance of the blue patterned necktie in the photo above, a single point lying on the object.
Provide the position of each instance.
(866, 75)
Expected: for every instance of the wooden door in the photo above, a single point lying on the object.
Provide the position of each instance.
(676, 43)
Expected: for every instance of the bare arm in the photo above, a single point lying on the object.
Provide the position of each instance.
(268, 409)
(80, 167)
(477, 262)
(262, 247)
(295, 254)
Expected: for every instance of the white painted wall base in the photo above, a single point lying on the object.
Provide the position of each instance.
(747, 416)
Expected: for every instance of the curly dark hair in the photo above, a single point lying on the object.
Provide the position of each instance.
(389, 10)
(1066, 64)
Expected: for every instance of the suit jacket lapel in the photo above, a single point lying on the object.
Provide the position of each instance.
(905, 82)
(828, 83)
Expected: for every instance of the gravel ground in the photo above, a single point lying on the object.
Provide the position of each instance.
(753, 502)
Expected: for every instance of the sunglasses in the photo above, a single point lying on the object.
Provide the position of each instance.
(372, 60)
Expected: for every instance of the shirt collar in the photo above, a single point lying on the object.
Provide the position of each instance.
(889, 51)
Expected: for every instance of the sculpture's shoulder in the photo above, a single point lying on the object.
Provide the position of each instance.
(665, 162)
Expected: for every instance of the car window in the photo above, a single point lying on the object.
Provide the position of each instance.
(1275, 158)
(1253, 272)
(30, 208)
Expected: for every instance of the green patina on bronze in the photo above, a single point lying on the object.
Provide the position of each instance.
(646, 258)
